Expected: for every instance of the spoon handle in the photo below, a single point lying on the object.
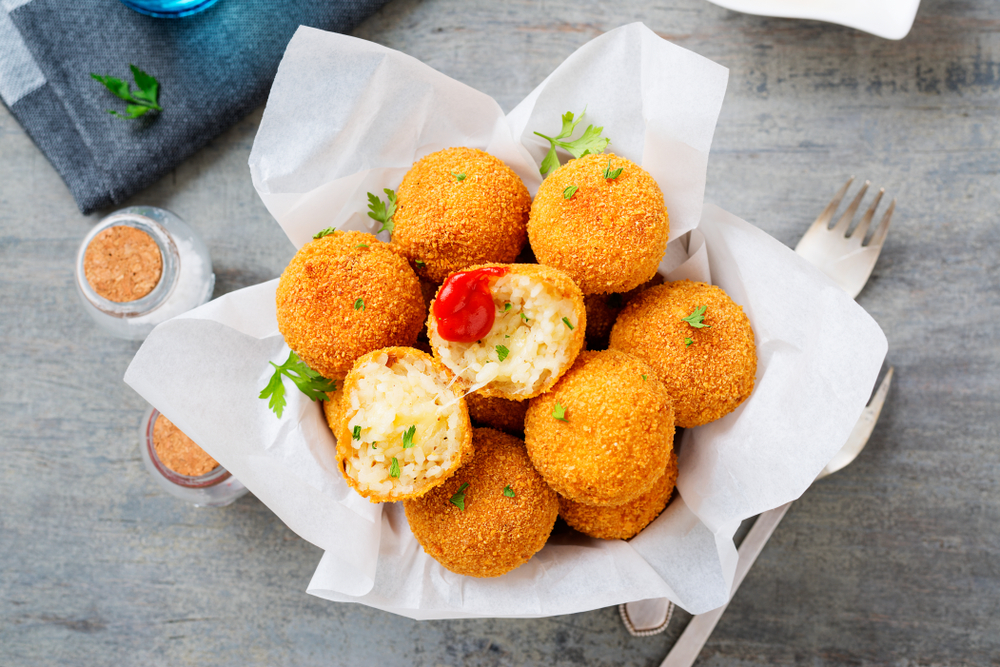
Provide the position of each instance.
(688, 645)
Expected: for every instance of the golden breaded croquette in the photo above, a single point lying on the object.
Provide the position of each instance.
(499, 413)
(331, 406)
(344, 295)
(708, 377)
(603, 309)
(402, 427)
(609, 234)
(603, 434)
(621, 522)
(493, 515)
(458, 207)
(539, 327)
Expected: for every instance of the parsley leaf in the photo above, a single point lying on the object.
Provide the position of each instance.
(612, 174)
(359, 304)
(458, 177)
(458, 500)
(356, 433)
(525, 317)
(566, 322)
(394, 467)
(408, 436)
(559, 412)
(590, 142)
(507, 306)
(309, 382)
(139, 102)
(502, 352)
(324, 232)
(381, 211)
(687, 342)
(507, 491)
(643, 377)
(419, 262)
(361, 245)
(697, 318)
(570, 191)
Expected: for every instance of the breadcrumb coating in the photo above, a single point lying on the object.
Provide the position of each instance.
(610, 235)
(710, 377)
(344, 295)
(603, 309)
(500, 413)
(616, 433)
(495, 533)
(458, 207)
(621, 522)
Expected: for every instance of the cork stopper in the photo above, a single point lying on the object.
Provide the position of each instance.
(178, 452)
(122, 263)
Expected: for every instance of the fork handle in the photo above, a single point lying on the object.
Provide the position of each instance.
(685, 651)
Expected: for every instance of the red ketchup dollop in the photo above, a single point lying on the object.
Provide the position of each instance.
(464, 307)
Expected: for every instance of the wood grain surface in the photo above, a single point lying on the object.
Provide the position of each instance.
(894, 560)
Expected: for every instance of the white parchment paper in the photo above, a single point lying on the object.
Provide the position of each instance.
(346, 117)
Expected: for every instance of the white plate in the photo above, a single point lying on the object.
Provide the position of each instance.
(891, 19)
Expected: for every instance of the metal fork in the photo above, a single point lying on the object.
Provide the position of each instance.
(839, 251)
(847, 261)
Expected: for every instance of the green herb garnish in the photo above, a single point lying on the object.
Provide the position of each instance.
(394, 467)
(324, 232)
(502, 352)
(507, 491)
(688, 341)
(643, 377)
(356, 432)
(507, 306)
(141, 101)
(360, 246)
(383, 212)
(309, 382)
(359, 304)
(566, 322)
(590, 142)
(559, 412)
(458, 177)
(420, 263)
(570, 191)
(612, 174)
(458, 500)
(408, 436)
(697, 318)
(525, 317)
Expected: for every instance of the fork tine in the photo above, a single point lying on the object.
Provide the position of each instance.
(883, 227)
(824, 218)
(845, 219)
(862, 228)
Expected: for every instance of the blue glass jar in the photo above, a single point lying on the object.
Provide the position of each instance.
(168, 9)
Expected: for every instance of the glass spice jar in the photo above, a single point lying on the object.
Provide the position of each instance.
(214, 488)
(139, 267)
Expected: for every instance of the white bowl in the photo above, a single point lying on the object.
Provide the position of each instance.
(890, 19)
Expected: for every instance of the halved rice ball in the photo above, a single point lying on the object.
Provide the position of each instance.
(403, 426)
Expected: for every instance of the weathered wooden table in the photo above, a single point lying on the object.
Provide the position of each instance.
(893, 560)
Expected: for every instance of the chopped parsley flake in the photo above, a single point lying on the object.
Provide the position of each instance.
(361, 245)
(419, 262)
(458, 177)
(394, 467)
(502, 352)
(697, 318)
(566, 322)
(507, 491)
(688, 341)
(525, 317)
(458, 500)
(507, 306)
(356, 434)
(612, 174)
(559, 412)
(408, 436)
(324, 232)
(359, 304)
(570, 191)
(643, 377)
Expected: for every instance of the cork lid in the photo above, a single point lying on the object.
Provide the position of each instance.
(123, 263)
(178, 452)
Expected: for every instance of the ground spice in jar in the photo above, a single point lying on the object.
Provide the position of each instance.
(122, 263)
(178, 452)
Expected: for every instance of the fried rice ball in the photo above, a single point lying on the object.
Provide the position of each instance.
(331, 406)
(708, 377)
(540, 321)
(603, 309)
(344, 295)
(458, 207)
(603, 434)
(403, 427)
(492, 516)
(609, 234)
(620, 522)
(500, 413)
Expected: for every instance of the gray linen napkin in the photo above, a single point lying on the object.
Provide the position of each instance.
(213, 68)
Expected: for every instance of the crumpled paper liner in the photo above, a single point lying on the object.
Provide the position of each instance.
(346, 117)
